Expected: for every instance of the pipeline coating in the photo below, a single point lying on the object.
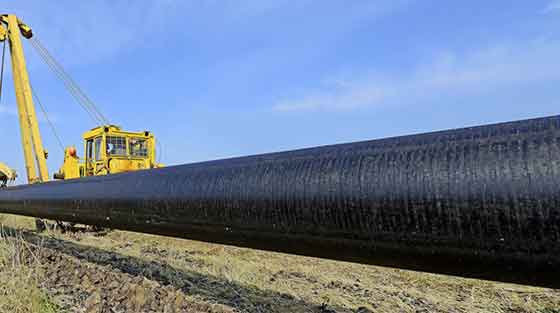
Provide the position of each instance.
(478, 202)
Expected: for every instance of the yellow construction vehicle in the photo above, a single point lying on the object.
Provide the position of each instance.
(108, 148)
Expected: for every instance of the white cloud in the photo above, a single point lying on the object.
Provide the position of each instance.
(84, 32)
(552, 7)
(81, 32)
(448, 73)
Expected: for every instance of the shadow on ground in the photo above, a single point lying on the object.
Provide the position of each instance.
(210, 288)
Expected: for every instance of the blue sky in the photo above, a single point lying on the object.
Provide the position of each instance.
(216, 79)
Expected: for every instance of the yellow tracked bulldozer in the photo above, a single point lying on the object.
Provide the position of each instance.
(108, 149)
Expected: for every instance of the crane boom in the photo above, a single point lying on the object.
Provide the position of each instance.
(109, 149)
(34, 153)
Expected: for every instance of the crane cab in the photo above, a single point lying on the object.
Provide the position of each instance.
(109, 150)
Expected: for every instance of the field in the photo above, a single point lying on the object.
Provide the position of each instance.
(131, 272)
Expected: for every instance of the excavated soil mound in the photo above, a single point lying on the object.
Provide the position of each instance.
(83, 287)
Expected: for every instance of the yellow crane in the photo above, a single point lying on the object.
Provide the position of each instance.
(34, 153)
(108, 149)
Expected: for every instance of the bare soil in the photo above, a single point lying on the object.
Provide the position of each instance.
(130, 272)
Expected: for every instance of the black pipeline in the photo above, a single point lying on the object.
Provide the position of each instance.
(478, 202)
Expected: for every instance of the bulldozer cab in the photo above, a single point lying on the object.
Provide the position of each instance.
(110, 150)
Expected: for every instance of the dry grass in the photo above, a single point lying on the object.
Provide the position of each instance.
(20, 277)
(16, 221)
(338, 284)
(313, 282)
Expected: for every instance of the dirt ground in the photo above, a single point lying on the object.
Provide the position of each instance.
(131, 272)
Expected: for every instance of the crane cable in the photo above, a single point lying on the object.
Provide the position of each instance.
(70, 89)
(34, 95)
(71, 85)
(67, 84)
(2, 69)
(77, 93)
(44, 110)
